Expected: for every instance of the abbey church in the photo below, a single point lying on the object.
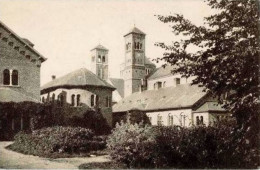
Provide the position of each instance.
(165, 98)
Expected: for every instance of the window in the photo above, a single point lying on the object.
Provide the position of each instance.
(99, 59)
(170, 120)
(201, 120)
(150, 119)
(92, 100)
(73, 100)
(197, 120)
(108, 101)
(78, 100)
(178, 81)
(103, 59)
(43, 99)
(53, 97)
(159, 120)
(15, 77)
(6, 77)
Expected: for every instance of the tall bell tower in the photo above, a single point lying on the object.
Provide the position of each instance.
(133, 69)
(99, 61)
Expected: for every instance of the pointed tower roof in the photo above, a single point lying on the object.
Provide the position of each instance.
(136, 31)
(100, 47)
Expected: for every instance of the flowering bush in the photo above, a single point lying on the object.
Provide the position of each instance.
(57, 140)
(221, 146)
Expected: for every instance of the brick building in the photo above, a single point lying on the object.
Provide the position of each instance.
(20, 66)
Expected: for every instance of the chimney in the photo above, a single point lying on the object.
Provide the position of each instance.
(53, 77)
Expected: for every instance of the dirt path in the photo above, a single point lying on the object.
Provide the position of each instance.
(14, 160)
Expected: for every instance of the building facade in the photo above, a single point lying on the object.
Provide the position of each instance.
(20, 66)
(80, 88)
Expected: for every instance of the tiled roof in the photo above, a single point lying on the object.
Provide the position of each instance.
(100, 47)
(8, 94)
(161, 72)
(180, 96)
(119, 85)
(23, 41)
(210, 106)
(136, 31)
(80, 77)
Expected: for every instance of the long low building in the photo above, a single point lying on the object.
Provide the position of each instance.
(183, 105)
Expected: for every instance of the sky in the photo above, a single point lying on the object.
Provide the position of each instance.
(64, 31)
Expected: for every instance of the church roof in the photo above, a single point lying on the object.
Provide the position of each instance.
(181, 96)
(23, 41)
(100, 47)
(79, 78)
(161, 72)
(119, 85)
(136, 31)
(11, 95)
(147, 61)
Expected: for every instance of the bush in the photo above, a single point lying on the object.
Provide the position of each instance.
(47, 141)
(132, 144)
(222, 146)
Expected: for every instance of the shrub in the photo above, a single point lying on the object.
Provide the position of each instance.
(46, 141)
(132, 144)
(222, 146)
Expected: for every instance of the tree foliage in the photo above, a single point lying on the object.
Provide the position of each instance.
(227, 60)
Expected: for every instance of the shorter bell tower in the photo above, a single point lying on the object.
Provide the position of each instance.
(99, 61)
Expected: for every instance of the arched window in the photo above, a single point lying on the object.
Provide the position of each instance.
(197, 120)
(78, 100)
(6, 77)
(73, 100)
(99, 59)
(140, 46)
(103, 59)
(92, 98)
(15, 77)
(53, 97)
(201, 120)
(43, 99)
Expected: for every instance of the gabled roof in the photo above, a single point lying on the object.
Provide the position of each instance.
(161, 72)
(210, 106)
(136, 31)
(181, 96)
(79, 78)
(10, 95)
(23, 42)
(100, 47)
(119, 85)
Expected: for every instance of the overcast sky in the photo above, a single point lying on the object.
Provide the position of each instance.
(64, 31)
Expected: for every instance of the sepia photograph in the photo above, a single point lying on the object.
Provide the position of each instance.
(129, 84)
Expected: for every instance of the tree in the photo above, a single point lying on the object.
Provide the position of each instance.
(227, 60)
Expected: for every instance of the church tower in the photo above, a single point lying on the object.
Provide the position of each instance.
(99, 61)
(133, 69)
